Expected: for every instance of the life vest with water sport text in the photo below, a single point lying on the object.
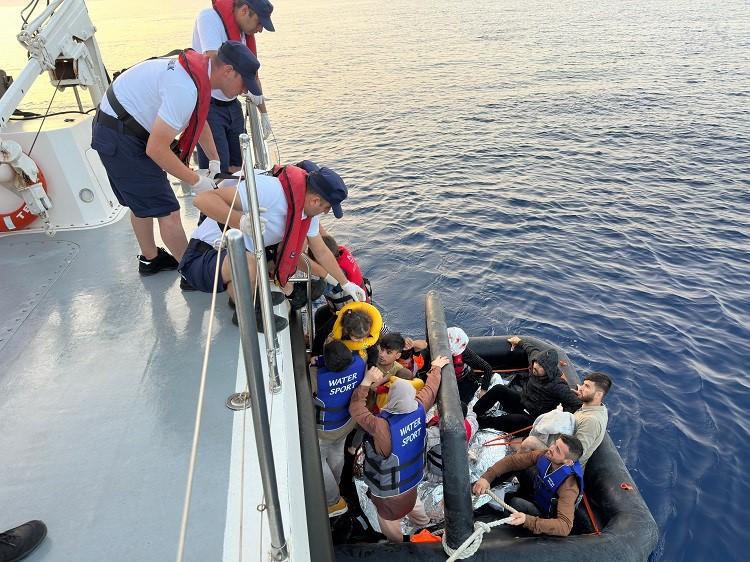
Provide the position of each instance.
(403, 469)
(225, 9)
(294, 184)
(196, 65)
(335, 389)
(546, 485)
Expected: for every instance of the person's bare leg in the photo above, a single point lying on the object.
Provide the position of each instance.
(391, 529)
(226, 273)
(170, 228)
(144, 233)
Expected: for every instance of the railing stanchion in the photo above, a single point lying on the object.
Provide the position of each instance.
(256, 387)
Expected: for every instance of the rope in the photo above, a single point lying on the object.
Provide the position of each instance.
(199, 408)
(471, 545)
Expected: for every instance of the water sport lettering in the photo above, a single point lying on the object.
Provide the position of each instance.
(343, 384)
(414, 430)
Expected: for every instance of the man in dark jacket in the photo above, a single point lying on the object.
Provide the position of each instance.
(543, 391)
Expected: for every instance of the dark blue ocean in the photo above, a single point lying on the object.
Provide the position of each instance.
(576, 171)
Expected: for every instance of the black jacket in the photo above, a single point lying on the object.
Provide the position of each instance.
(542, 394)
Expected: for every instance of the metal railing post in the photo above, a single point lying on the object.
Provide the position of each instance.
(262, 279)
(259, 145)
(256, 387)
(308, 286)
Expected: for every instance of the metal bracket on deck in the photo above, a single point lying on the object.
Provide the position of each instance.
(238, 401)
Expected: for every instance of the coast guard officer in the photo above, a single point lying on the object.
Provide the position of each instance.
(237, 20)
(135, 127)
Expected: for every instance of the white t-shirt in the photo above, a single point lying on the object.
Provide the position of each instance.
(159, 87)
(208, 35)
(270, 196)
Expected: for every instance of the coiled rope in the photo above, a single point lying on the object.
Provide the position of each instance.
(471, 545)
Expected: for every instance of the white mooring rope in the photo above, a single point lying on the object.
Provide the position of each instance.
(471, 545)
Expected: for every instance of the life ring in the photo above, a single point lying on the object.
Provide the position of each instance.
(21, 217)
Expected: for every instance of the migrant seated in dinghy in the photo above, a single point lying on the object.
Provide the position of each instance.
(394, 447)
(543, 390)
(554, 484)
(590, 420)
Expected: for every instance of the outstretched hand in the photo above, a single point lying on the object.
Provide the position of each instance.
(514, 341)
(440, 361)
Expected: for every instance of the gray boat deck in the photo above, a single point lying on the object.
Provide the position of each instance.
(99, 373)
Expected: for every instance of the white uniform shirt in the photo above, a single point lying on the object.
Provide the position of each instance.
(208, 35)
(270, 196)
(159, 87)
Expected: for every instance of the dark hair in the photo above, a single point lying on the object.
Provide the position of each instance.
(601, 381)
(575, 447)
(332, 245)
(355, 323)
(392, 341)
(337, 356)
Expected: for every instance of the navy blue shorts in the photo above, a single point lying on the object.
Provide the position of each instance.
(138, 182)
(227, 123)
(198, 267)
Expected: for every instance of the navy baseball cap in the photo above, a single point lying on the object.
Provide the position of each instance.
(329, 185)
(263, 8)
(308, 166)
(243, 61)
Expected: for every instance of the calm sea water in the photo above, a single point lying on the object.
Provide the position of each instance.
(577, 171)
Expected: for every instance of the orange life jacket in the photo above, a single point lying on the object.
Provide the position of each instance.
(196, 65)
(225, 9)
(294, 183)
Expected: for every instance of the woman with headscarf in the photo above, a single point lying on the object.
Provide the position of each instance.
(394, 447)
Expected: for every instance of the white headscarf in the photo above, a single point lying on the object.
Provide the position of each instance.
(401, 397)
(458, 340)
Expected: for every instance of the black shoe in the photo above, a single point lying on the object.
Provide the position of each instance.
(163, 260)
(281, 323)
(185, 285)
(276, 299)
(18, 543)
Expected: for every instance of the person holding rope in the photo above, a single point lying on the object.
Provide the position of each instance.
(134, 130)
(555, 488)
(235, 20)
(394, 447)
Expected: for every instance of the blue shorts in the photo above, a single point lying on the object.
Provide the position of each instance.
(138, 182)
(227, 123)
(198, 266)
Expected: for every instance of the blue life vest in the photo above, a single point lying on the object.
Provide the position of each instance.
(546, 485)
(335, 389)
(403, 469)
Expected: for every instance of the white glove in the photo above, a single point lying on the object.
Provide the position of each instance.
(354, 291)
(203, 184)
(255, 100)
(265, 125)
(214, 168)
(246, 225)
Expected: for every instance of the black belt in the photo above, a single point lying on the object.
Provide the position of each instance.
(199, 246)
(129, 125)
(223, 103)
